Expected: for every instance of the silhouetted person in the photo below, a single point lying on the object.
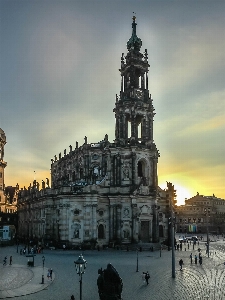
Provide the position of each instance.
(181, 263)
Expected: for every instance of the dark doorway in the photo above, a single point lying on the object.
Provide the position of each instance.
(140, 170)
(144, 231)
(101, 231)
(161, 231)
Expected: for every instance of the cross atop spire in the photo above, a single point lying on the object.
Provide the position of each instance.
(134, 42)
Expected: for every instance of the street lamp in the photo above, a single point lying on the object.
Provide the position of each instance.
(43, 263)
(80, 266)
(137, 261)
(207, 214)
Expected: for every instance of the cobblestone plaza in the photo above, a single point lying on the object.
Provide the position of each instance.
(194, 282)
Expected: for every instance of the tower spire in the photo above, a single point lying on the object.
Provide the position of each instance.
(134, 26)
(134, 42)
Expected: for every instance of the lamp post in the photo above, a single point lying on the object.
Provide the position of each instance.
(172, 221)
(207, 214)
(80, 265)
(43, 264)
(137, 261)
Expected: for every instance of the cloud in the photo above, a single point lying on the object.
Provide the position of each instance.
(54, 54)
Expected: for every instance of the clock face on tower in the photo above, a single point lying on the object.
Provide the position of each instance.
(139, 94)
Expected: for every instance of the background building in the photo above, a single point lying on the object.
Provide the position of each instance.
(199, 213)
(8, 199)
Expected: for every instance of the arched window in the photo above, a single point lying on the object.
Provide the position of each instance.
(140, 169)
(129, 129)
(101, 231)
(139, 131)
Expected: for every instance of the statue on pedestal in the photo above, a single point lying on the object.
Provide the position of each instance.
(109, 283)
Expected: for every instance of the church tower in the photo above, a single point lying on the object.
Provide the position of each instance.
(3, 164)
(134, 113)
(135, 170)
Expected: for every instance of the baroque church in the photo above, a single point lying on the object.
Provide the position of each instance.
(104, 191)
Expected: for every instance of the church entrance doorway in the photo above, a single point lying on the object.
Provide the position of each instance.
(161, 231)
(145, 231)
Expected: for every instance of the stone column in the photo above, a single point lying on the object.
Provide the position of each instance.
(110, 222)
(143, 129)
(111, 170)
(114, 222)
(118, 221)
(118, 170)
(132, 126)
(142, 81)
(94, 221)
(146, 78)
(133, 167)
(133, 207)
(154, 173)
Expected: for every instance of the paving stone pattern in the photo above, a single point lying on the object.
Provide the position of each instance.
(13, 277)
(193, 282)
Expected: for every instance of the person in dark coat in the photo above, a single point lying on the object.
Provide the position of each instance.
(196, 259)
(147, 276)
(181, 263)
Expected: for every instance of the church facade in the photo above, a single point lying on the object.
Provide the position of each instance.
(104, 191)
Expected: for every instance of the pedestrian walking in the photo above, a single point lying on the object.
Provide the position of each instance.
(72, 297)
(196, 259)
(147, 276)
(5, 261)
(191, 257)
(51, 274)
(200, 260)
(10, 260)
(48, 274)
(181, 263)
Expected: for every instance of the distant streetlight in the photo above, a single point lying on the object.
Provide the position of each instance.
(43, 264)
(80, 266)
(137, 261)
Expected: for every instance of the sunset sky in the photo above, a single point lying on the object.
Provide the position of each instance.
(59, 75)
